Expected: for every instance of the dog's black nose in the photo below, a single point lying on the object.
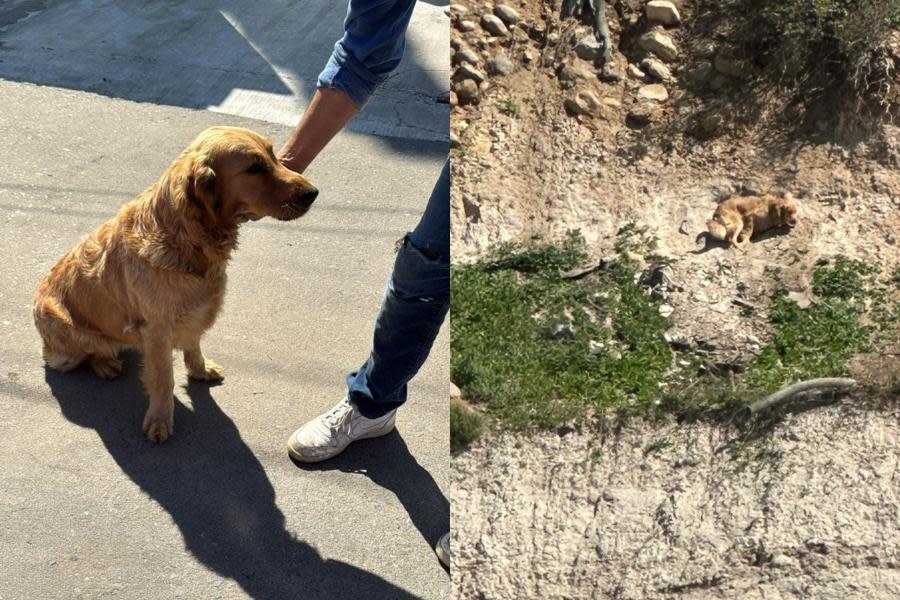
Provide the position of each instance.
(308, 197)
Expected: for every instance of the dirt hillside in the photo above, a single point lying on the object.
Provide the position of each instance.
(547, 138)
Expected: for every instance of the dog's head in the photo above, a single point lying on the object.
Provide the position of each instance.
(234, 174)
(784, 211)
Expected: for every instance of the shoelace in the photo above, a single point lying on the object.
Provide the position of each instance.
(337, 416)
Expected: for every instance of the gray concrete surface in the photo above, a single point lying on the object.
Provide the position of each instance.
(88, 508)
(253, 59)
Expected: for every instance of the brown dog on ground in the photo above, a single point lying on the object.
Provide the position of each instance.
(153, 277)
(738, 218)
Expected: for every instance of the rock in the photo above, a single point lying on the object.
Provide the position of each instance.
(595, 348)
(455, 393)
(588, 47)
(562, 331)
(459, 9)
(465, 26)
(466, 55)
(733, 67)
(467, 71)
(666, 310)
(613, 102)
(656, 69)
(571, 73)
(453, 99)
(583, 103)
(781, 561)
(506, 14)
(466, 92)
(641, 115)
(678, 342)
(654, 91)
(660, 44)
(801, 298)
(499, 65)
(454, 139)
(481, 143)
(494, 25)
(635, 72)
(700, 74)
(706, 49)
(662, 11)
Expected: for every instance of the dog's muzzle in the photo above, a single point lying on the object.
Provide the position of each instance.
(304, 201)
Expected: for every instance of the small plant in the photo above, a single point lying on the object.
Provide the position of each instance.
(465, 427)
(846, 280)
(657, 445)
(819, 340)
(509, 107)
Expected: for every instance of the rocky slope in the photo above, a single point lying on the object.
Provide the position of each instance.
(545, 145)
(548, 137)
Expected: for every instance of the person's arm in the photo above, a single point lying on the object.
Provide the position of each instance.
(326, 114)
(370, 49)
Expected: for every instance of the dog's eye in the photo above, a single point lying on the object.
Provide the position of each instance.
(256, 168)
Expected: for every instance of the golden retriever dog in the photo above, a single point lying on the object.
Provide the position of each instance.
(152, 278)
(738, 218)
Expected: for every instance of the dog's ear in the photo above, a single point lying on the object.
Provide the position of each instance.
(775, 211)
(165, 226)
(201, 180)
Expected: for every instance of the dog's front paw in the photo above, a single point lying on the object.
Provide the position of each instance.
(159, 424)
(211, 371)
(106, 367)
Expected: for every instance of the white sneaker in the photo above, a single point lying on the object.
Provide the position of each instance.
(443, 550)
(327, 435)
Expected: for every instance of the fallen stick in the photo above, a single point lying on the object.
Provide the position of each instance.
(785, 394)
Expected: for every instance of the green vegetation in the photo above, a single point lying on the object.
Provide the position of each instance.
(815, 48)
(538, 350)
(465, 428)
(509, 107)
(534, 349)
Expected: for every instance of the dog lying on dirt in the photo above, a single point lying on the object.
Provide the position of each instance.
(153, 277)
(738, 218)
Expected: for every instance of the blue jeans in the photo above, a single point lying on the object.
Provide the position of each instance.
(414, 306)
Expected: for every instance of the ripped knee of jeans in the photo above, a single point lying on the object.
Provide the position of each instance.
(419, 274)
(428, 253)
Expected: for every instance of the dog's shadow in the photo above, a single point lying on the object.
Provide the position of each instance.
(218, 494)
(710, 243)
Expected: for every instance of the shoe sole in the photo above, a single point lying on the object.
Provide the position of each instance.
(442, 556)
(315, 459)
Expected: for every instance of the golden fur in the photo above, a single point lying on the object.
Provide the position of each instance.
(738, 218)
(153, 277)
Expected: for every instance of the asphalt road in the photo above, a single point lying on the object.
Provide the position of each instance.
(252, 59)
(88, 508)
